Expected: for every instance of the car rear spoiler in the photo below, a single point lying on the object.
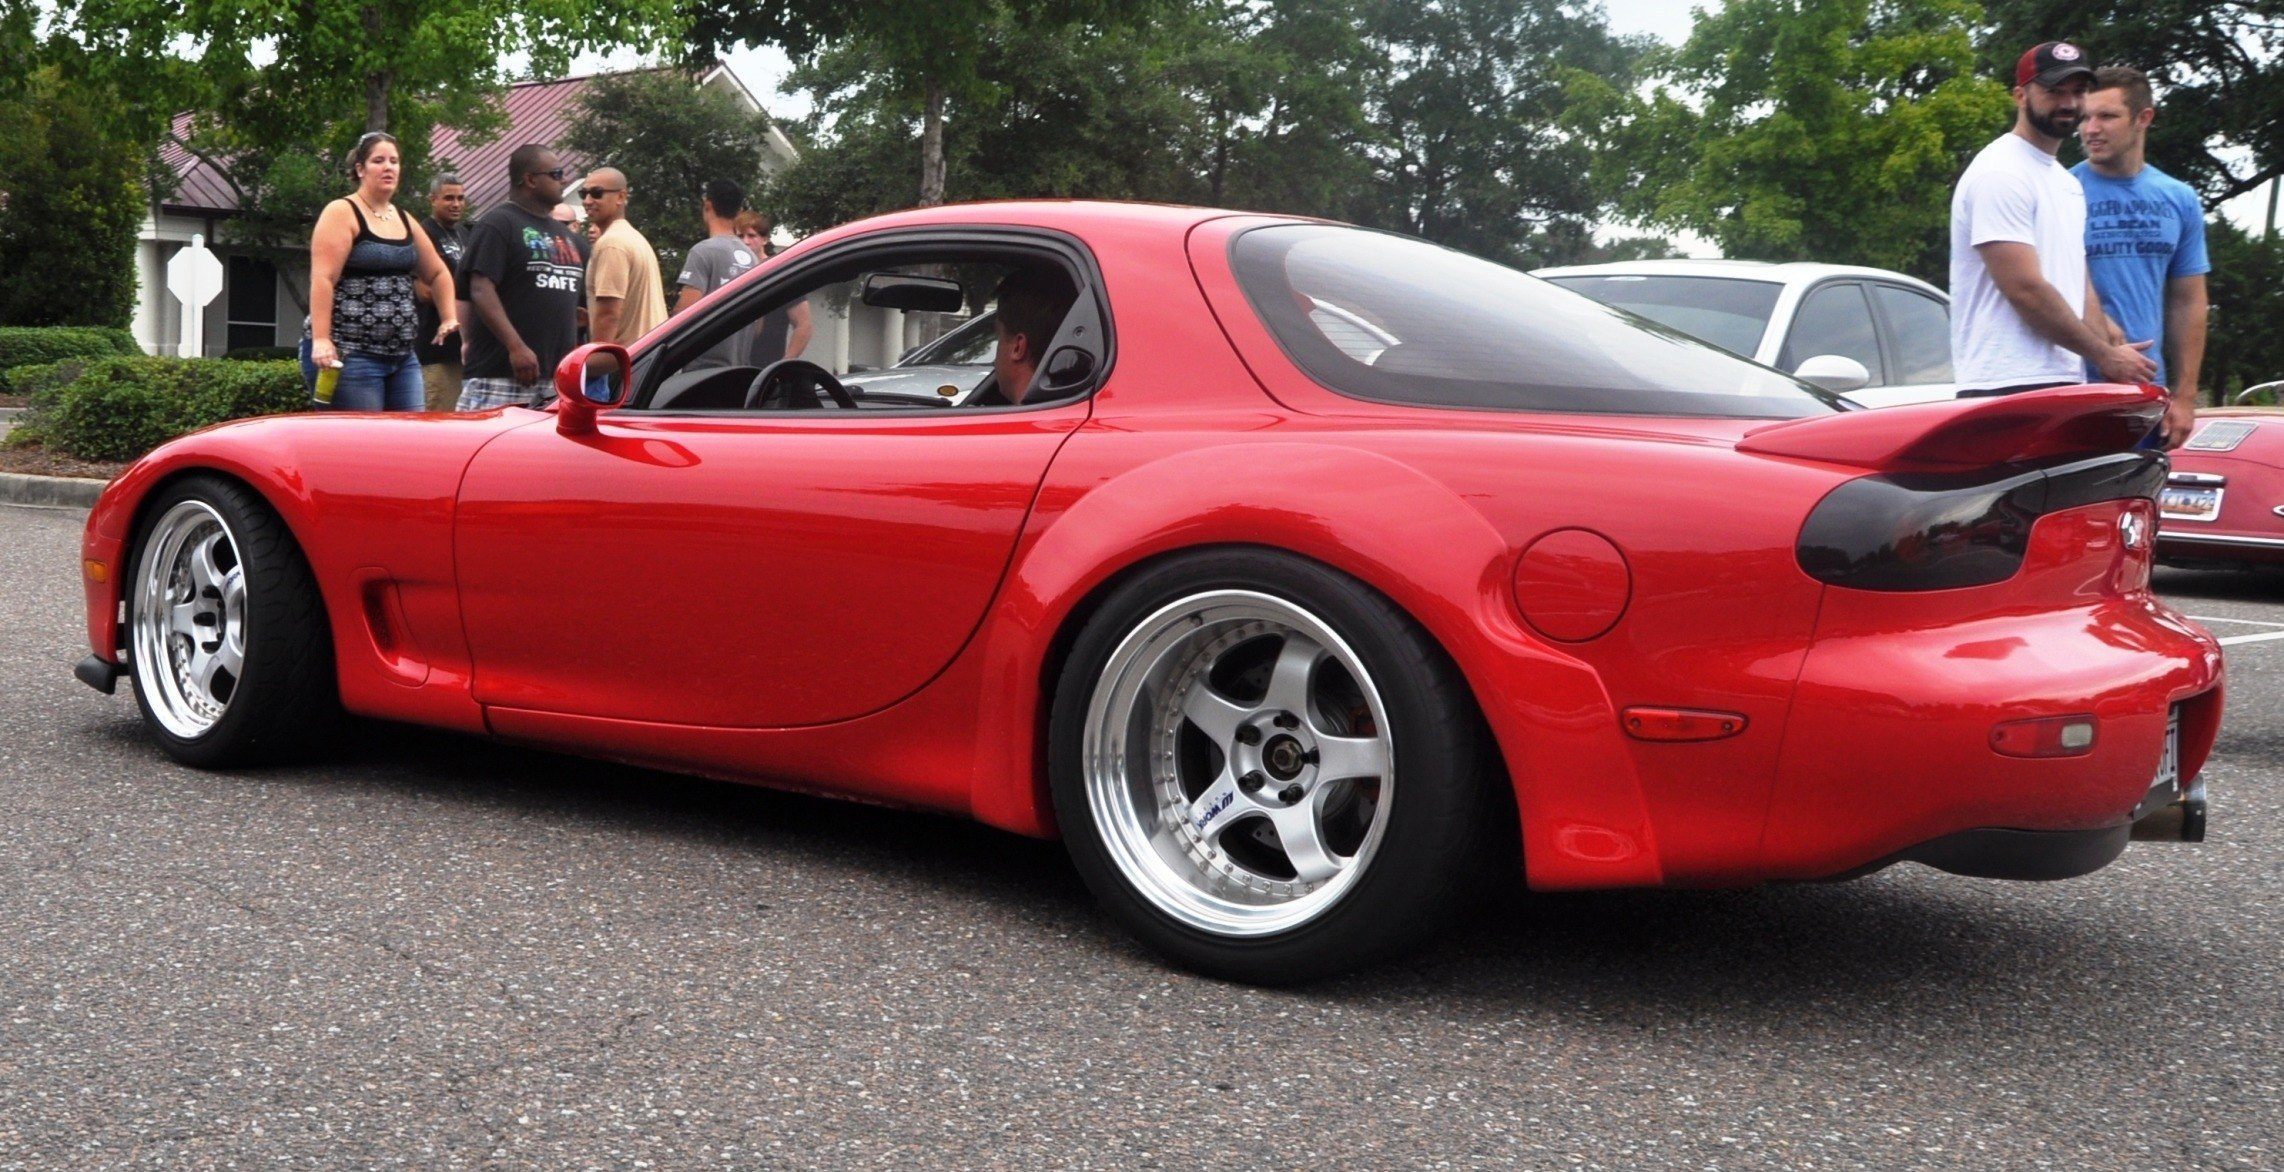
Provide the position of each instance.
(1964, 434)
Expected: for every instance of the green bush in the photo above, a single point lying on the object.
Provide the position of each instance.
(31, 345)
(263, 354)
(117, 408)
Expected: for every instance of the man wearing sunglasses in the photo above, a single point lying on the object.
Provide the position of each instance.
(623, 296)
(524, 274)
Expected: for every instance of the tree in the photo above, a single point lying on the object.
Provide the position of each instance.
(2217, 67)
(931, 55)
(1469, 102)
(70, 203)
(274, 95)
(670, 136)
(1827, 130)
(2246, 343)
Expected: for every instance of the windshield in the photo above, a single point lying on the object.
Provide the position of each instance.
(1447, 329)
(1729, 312)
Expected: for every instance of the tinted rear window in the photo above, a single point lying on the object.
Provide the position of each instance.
(1399, 320)
(1728, 312)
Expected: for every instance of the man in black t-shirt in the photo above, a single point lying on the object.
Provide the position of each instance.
(525, 282)
(440, 364)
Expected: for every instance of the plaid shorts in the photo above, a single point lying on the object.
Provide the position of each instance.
(483, 394)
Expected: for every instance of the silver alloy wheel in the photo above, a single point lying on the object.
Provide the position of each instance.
(1239, 763)
(189, 619)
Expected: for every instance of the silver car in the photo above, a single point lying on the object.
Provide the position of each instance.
(1878, 337)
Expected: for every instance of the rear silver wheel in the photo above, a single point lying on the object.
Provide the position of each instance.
(190, 619)
(1238, 763)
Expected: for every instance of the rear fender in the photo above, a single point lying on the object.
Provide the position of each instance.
(1445, 566)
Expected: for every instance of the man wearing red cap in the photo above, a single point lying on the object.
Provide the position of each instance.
(2022, 310)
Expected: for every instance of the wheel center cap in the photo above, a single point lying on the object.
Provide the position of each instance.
(1283, 757)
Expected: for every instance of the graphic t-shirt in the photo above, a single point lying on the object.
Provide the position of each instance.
(535, 263)
(713, 263)
(450, 244)
(2140, 233)
(2014, 192)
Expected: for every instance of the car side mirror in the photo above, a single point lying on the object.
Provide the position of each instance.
(589, 379)
(1834, 373)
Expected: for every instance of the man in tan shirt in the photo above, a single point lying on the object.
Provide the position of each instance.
(624, 297)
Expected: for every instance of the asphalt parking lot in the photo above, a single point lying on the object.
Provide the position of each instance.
(435, 952)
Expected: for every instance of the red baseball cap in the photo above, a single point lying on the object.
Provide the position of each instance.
(2051, 64)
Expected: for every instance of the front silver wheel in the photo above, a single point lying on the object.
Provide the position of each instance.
(189, 619)
(1238, 763)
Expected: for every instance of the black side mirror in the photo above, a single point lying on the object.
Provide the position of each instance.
(912, 293)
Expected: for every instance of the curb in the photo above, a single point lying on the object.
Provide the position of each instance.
(67, 492)
(8, 414)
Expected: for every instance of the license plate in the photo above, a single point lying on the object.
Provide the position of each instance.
(2185, 503)
(2169, 766)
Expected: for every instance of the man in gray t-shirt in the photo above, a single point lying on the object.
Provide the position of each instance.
(714, 262)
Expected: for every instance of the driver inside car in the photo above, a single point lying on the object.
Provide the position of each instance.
(1032, 303)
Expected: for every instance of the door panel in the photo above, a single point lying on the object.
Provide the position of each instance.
(740, 572)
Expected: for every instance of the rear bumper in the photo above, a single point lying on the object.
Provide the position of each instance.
(1888, 755)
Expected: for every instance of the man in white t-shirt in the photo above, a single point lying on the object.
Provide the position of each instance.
(2022, 309)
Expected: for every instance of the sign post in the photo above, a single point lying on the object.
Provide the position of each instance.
(194, 276)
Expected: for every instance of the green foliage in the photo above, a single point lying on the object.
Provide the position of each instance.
(278, 93)
(671, 138)
(27, 345)
(263, 354)
(70, 205)
(120, 407)
(2245, 345)
(2217, 67)
(1828, 130)
(1441, 119)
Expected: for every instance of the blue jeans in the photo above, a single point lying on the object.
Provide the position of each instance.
(368, 383)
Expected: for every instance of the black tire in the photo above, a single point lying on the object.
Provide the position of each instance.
(285, 700)
(1442, 816)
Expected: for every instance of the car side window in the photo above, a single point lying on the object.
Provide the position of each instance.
(1834, 319)
(1919, 334)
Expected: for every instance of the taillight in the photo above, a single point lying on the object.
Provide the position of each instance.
(1940, 531)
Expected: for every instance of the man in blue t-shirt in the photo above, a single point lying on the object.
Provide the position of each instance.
(2145, 240)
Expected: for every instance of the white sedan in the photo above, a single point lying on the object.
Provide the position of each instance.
(1879, 337)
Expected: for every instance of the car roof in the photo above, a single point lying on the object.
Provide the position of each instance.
(1780, 273)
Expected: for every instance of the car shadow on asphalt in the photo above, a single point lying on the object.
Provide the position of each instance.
(1901, 937)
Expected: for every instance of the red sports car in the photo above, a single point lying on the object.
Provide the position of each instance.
(1301, 578)
(2224, 502)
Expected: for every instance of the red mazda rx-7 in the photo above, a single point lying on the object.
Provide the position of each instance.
(1301, 578)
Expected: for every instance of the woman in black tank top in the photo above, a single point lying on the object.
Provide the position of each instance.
(363, 256)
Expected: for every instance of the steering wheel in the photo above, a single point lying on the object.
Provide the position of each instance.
(799, 375)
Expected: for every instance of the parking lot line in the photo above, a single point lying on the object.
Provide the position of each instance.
(2263, 637)
(2248, 622)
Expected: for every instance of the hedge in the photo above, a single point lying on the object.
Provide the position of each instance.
(117, 408)
(33, 345)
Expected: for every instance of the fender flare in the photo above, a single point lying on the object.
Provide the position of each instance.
(1554, 726)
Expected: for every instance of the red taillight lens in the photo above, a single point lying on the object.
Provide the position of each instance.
(2050, 736)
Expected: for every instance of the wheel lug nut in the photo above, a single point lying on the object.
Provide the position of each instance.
(1248, 735)
(1252, 782)
(1290, 794)
(1288, 720)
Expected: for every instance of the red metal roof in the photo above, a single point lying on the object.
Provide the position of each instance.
(537, 111)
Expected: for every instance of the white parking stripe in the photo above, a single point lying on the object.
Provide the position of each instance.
(2248, 622)
(2263, 637)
